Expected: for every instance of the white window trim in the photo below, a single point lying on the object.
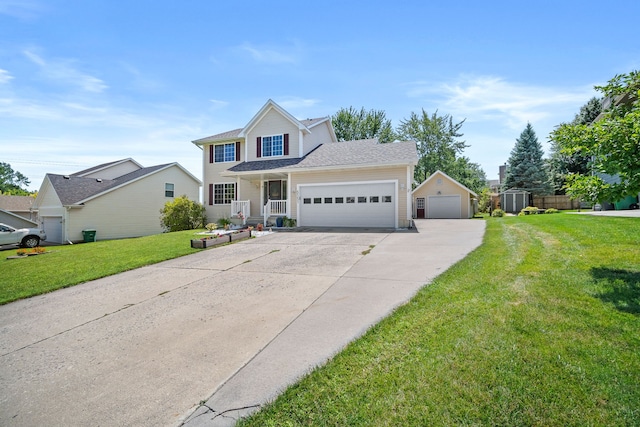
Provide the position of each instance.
(281, 135)
(173, 189)
(235, 189)
(224, 144)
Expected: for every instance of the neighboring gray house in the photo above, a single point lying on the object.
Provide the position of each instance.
(118, 199)
(18, 211)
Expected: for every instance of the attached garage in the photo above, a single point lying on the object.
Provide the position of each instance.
(356, 204)
(441, 196)
(52, 226)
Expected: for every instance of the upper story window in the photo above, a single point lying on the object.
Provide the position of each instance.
(272, 146)
(168, 189)
(221, 153)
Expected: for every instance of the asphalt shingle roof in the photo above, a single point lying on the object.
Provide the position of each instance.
(234, 133)
(336, 154)
(16, 203)
(73, 189)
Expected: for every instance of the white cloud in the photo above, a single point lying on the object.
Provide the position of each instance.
(297, 103)
(218, 103)
(5, 76)
(482, 98)
(271, 55)
(63, 71)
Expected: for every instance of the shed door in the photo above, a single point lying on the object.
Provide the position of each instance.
(444, 206)
(348, 205)
(52, 226)
(420, 207)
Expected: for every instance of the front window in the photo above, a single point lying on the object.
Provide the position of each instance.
(272, 146)
(224, 194)
(224, 153)
(168, 190)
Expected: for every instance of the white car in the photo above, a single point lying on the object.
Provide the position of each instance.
(25, 237)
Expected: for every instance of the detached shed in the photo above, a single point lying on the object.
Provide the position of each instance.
(513, 201)
(441, 196)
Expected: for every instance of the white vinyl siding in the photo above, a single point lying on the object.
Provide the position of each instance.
(131, 210)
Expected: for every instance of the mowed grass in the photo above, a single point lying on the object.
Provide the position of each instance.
(68, 265)
(540, 326)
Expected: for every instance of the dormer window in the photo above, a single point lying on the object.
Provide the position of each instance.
(272, 146)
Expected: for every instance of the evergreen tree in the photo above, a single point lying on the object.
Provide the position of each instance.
(526, 169)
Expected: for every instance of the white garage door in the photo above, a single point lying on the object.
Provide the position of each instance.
(444, 207)
(53, 228)
(348, 205)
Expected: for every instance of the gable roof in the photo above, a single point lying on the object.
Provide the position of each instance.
(303, 125)
(446, 176)
(347, 154)
(105, 166)
(75, 190)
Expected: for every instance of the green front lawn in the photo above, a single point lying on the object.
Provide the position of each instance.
(539, 326)
(69, 265)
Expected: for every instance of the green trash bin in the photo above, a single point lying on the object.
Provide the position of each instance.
(89, 235)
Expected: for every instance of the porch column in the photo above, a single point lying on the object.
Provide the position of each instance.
(289, 195)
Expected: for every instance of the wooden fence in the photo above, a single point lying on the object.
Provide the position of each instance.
(558, 202)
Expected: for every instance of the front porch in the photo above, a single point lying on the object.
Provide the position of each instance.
(270, 212)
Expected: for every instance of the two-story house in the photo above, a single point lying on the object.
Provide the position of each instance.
(277, 166)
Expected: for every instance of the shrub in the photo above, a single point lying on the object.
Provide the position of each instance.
(211, 226)
(497, 213)
(182, 214)
(552, 210)
(224, 222)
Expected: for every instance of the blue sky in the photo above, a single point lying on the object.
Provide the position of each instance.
(88, 82)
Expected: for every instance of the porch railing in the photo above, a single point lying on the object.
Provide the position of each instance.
(241, 209)
(275, 208)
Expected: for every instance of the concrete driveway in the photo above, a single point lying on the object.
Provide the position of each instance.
(229, 326)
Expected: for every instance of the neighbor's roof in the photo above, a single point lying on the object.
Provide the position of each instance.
(366, 152)
(16, 203)
(103, 166)
(72, 189)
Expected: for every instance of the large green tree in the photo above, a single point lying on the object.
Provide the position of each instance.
(562, 164)
(12, 182)
(526, 169)
(612, 143)
(351, 124)
(437, 142)
(468, 174)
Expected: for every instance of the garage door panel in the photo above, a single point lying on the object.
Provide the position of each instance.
(52, 227)
(441, 207)
(352, 205)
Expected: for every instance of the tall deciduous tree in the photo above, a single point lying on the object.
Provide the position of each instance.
(612, 143)
(526, 170)
(437, 141)
(12, 182)
(351, 124)
(562, 164)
